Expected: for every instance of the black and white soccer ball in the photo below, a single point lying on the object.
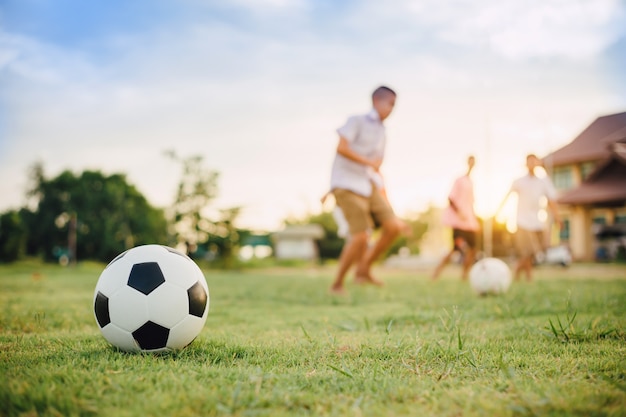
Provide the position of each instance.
(151, 298)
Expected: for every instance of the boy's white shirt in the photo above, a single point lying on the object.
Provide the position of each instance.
(350, 175)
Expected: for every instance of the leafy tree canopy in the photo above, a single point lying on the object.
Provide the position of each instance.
(109, 215)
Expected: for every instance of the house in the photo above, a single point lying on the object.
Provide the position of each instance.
(298, 242)
(590, 176)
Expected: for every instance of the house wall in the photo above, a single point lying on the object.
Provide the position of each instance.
(581, 240)
(620, 215)
(295, 248)
(583, 222)
(580, 233)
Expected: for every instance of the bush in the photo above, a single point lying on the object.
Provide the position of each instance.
(12, 236)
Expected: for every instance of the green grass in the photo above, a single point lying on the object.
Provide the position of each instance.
(275, 344)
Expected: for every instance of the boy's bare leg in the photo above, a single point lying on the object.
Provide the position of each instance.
(390, 230)
(525, 265)
(352, 251)
(468, 261)
(442, 264)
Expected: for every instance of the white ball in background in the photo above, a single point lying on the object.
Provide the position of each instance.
(490, 276)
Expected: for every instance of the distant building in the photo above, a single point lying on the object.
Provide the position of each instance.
(298, 242)
(590, 176)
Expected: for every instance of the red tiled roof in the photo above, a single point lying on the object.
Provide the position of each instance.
(593, 144)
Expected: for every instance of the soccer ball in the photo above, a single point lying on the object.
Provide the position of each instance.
(490, 276)
(151, 298)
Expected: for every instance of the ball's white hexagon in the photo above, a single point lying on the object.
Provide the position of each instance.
(180, 270)
(145, 253)
(185, 332)
(168, 305)
(123, 309)
(114, 276)
(121, 338)
(128, 308)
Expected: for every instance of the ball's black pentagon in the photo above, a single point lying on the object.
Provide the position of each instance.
(101, 308)
(175, 252)
(151, 336)
(145, 277)
(197, 299)
(117, 258)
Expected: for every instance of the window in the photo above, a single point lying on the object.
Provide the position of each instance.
(620, 219)
(586, 168)
(563, 178)
(564, 232)
(599, 220)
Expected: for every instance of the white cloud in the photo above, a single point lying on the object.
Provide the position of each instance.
(519, 30)
(575, 30)
(270, 5)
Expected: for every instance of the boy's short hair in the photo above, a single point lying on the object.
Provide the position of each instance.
(382, 91)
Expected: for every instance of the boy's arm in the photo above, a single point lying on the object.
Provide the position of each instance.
(452, 195)
(344, 150)
(554, 208)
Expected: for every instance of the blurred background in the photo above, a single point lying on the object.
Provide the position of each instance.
(243, 97)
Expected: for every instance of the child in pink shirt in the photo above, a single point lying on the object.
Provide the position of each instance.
(459, 215)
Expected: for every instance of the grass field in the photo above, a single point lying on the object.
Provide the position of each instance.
(275, 344)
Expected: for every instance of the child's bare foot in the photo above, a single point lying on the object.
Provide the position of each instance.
(367, 279)
(337, 290)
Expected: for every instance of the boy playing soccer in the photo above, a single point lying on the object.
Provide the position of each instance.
(356, 189)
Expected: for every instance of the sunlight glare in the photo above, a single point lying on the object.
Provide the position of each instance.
(511, 225)
(507, 214)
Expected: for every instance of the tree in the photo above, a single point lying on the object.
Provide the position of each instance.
(418, 225)
(224, 238)
(110, 215)
(191, 226)
(13, 236)
(196, 188)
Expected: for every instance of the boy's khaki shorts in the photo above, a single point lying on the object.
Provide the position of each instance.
(529, 242)
(363, 213)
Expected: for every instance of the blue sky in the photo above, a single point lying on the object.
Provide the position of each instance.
(258, 88)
